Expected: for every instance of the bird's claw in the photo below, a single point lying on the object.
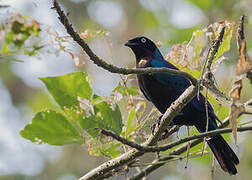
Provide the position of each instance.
(153, 127)
(157, 124)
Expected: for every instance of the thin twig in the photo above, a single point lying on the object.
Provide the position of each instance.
(188, 148)
(212, 168)
(215, 48)
(121, 139)
(170, 132)
(207, 80)
(203, 71)
(173, 144)
(207, 122)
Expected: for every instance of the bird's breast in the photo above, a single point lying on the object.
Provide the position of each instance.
(160, 95)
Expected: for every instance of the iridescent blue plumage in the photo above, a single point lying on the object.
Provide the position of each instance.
(162, 89)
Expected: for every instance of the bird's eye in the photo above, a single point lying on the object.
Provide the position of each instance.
(143, 40)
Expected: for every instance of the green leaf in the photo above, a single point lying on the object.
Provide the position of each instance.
(125, 91)
(67, 88)
(120, 89)
(113, 150)
(105, 116)
(52, 128)
(133, 91)
(130, 125)
(90, 123)
(106, 148)
(109, 115)
(195, 73)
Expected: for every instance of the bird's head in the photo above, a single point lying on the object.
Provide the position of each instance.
(143, 48)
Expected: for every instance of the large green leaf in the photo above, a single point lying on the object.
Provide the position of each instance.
(86, 120)
(109, 115)
(105, 116)
(67, 88)
(52, 128)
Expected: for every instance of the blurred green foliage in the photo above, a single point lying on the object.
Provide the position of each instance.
(17, 32)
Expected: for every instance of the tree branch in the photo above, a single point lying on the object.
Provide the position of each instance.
(173, 144)
(133, 144)
(170, 132)
(207, 81)
(155, 164)
(171, 112)
(122, 140)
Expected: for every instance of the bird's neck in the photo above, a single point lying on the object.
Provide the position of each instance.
(158, 54)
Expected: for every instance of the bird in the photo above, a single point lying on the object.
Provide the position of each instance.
(162, 89)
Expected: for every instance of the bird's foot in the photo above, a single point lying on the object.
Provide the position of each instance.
(157, 124)
(153, 127)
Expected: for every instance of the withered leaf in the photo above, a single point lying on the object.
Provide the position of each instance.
(235, 92)
(179, 54)
(233, 120)
(244, 64)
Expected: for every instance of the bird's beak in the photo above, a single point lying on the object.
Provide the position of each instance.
(130, 43)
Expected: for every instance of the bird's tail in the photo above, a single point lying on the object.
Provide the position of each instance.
(222, 151)
(224, 154)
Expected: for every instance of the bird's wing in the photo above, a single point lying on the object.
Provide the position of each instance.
(199, 102)
(180, 84)
(144, 93)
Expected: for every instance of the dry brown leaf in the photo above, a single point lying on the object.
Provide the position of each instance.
(216, 27)
(34, 24)
(235, 92)
(233, 121)
(243, 65)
